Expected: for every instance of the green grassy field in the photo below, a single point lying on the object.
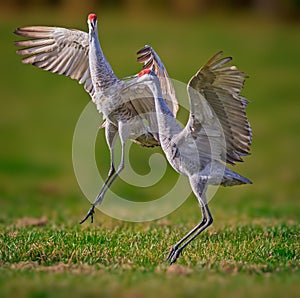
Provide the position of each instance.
(252, 249)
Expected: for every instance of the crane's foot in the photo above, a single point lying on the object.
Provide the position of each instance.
(89, 214)
(173, 254)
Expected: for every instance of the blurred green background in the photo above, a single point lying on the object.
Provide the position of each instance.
(39, 110)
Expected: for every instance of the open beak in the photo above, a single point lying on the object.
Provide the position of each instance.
(93, 24)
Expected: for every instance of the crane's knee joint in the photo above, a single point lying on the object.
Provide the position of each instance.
(209, 221)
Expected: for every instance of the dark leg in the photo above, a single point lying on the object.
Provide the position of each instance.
(199, 189)
(199, 228)
(123, 132)
(110, 132)
(188, 235)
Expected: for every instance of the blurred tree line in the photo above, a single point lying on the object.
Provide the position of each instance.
(287, 9)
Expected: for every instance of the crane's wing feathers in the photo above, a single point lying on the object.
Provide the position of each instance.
(58, 50)
(140, 104)
(215, 93)
(152, 61)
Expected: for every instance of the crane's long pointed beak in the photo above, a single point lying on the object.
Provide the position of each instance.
(129, 77)
(132, 82)
(93, 24)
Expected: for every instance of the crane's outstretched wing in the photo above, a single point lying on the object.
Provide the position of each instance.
(58, 50)
(214, 92)
(152, 61)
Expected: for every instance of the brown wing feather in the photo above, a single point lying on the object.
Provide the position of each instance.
(152, 61)
(220, 86)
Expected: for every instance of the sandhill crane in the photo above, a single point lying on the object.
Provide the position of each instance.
(78, 55)
(214, 92)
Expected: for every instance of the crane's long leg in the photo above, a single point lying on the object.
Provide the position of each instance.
(123, 132)
(175, 253)
(110, 134)
(207, 219)
(188, 235)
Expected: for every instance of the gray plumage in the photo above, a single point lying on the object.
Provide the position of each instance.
(217, 132)
(78, 55)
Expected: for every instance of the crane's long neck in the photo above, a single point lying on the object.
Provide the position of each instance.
(168, 126)
(101, 72)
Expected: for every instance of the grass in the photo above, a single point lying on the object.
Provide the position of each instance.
(240, 249)
(252, 249)
(247, 254)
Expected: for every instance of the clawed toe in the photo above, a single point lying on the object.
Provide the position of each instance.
(173, 255)
(170, 255)
(89, 214)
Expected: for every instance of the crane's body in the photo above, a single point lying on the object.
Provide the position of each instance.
(190, 150)
(183, 151)
(79, 55)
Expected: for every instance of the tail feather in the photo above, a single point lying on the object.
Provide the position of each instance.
(231, 178)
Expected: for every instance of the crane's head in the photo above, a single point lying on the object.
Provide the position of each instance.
(92, 22)
(144, 77)
(147, 75)
(149, 78)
